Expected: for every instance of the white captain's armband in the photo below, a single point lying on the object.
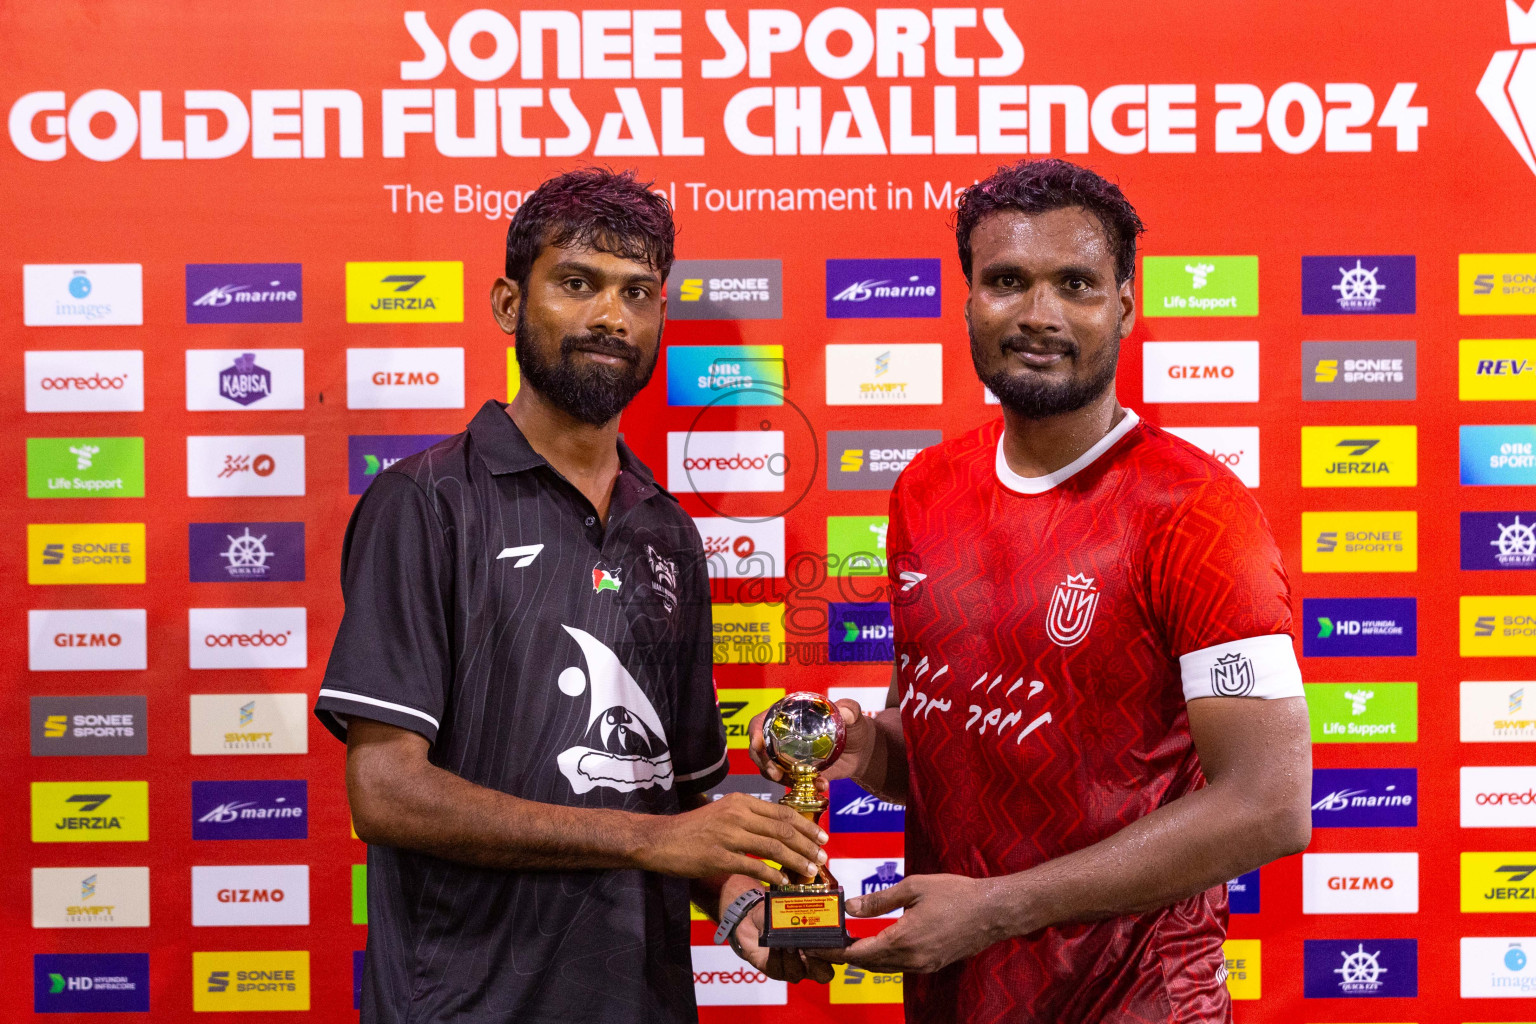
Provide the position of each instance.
(1258, 666)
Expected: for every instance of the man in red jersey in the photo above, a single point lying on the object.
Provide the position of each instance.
(1096, 715)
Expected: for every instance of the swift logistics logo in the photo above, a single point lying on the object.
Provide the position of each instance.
(90, 812)
(1363, 712)
(90, 983)
(85, 467)
(1365, 797)
(86, 640)
(1498, 540)
(250, 809)
(244, 380)
(1359, 371)
(249, 723)
(368, 455)
(1367, 456)
(82, 294)
(902, 374)
(860, 631)
(725, 375)
(725, 290)
(1359, 542)
(1498, 883)
(1498, 455)
(1359, 968)
(81, 553)
(1498, 626)
(856, 810)
(1200, 286)
(1496, 369)
(245, 552)
(1360, 883)
(1369, 627)
(1200, 371)
(1357, 285)
(871, 460)
(90, 897)
(1497, 968)
(1498, 797)
(1497, 284)
(883, 288)
(1497, 713)
(276, 980)
(405, 378)
(405, 293)
(87, 726)
(245, 293)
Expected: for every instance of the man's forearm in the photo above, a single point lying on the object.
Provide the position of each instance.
(885, 772)
(1194, 843)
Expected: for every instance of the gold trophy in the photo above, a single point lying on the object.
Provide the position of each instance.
(804, 733)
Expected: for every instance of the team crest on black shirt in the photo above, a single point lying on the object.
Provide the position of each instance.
(624, 747)
(663, 579)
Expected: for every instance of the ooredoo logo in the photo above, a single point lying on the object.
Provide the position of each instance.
(721, 978)
(101, 380)
(248, 638)
(1498, 797)
(405, 378)
(1237, 448)
(1200, 371)
(710, 461)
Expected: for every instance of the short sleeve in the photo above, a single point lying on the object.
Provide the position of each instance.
(391, 661)
(699, 750)
(1223, 598)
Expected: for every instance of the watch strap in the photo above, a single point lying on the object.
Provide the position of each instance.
(739, 908)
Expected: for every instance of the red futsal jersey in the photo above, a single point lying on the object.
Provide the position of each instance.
(1050, 631)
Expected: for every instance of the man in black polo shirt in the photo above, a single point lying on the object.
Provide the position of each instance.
(523, 671)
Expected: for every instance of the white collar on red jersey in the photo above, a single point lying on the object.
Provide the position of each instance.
(1040, 484)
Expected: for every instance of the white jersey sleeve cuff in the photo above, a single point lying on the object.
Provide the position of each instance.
(1257, 666)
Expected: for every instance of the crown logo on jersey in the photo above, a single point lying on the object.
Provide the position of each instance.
(1070, 615)
(1232, 676)
(624, 747)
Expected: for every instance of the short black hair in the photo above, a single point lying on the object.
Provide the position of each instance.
(1036, 186)
(607, 211)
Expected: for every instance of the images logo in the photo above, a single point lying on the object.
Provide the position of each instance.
(1364, 712)
(245, 552)
(883, 288)
(1498, 626)
(1497, 370)
(725, 375)
(1200, 285)
(245, 293)
(855, 810)
(254, 809)
(1496, 713)
(99, 380)
(1365, 797)
(856, 545)
(1498, 883)
(725, 290)
(1243, 893)
(1497, 968)
(1360, 456)
(885, 374)
(250, 981)
(368, 455)
(1360, 968)
(742, 550)
(709, 461)
(82, 294)
(1359, 627)
(1360, 883)
(247, 638)
(405, 378)
(1497, 283)
(749, 634)
(90, 897)
(1359, 371)
(85, 467)
(1358, 284)
(1498, 540)
(860, 632)
(247, 723)
(871, 460)
(739, 706)
(75, 726)
(1200, 371)
(410, 293)
(250, 894)
(90, 983)
(72, 553)
(1359, 541)
(1501, 455)
(90, 812)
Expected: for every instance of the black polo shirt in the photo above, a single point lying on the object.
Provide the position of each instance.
(489, 610)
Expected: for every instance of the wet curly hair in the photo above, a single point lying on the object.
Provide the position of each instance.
(607, 211)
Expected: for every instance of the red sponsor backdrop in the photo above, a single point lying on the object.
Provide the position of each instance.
(1453, 186)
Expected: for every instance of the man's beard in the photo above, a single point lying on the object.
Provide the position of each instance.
(593, 393)
(1036, 397)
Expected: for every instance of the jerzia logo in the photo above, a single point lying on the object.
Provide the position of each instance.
(1508, 88)
(1071, 612)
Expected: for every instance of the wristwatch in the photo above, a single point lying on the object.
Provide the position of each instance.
(733, 914)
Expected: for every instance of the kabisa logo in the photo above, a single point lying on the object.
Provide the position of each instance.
(1498, 883)
(90, 812)
(1200, 285)
(624, 746)
(871, 460)
(1358, 284)
(85, 467)
(1359, 371)
(245, 382)
(1365, 797)
(245, 293)
(1496, 370)
(254, 809)
(710, 375)
(1494, 283)
(1360, 627)
(1356, 968)
(1070, 615)
(855, 810)
(884, 877)
(725, 290)
(63, 726)
(1498, 455)
(245, 552)
(82, 294)
(883, 288)
(1496, 968)
(368, 455)
(1498, 540)
(90, 983)
(1369, 456)
(864, 876)
(1363, 712)
(419, 292)
(97, 380)
(860, 631)
(1508, 86)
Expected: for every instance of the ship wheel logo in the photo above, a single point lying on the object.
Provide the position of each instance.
(247, 554)
(1360, 971)
(1358, 287)
(1516, 543)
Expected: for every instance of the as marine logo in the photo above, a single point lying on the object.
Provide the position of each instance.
(1071, 611)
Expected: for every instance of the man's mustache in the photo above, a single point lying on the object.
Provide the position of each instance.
(604, 344)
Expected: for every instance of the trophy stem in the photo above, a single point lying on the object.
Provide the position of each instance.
(804, 800)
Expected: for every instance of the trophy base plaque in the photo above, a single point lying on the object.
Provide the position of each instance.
(797, 917)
